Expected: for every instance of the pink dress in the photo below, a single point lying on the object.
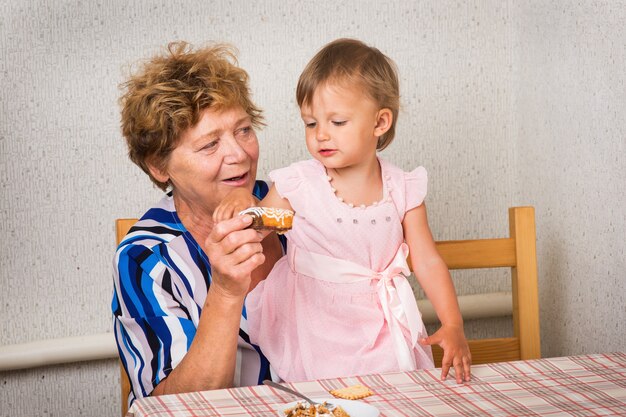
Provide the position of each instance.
(337, 304)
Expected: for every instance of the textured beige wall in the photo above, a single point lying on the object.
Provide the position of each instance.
(571, 164)
(504, 103)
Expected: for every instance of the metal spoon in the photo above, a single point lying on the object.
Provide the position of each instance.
(296, 393)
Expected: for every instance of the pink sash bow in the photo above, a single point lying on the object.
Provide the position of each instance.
(394, 292)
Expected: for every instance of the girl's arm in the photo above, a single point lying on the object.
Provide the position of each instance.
(273, 199)
(434, 277)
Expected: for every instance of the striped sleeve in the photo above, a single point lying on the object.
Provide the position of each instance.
(152, 328)
(161, 278)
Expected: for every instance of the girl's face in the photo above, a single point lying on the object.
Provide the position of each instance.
(342, 126)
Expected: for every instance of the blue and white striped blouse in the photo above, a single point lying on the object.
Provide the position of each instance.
(161, 279)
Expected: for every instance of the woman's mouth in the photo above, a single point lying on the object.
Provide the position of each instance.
(238, 180)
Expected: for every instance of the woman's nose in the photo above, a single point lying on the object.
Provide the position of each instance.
(233, 151)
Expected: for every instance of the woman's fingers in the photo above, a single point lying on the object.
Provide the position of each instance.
(243, 254)
(232, 205)
(234, 252)
(249, 264)
(224, 228)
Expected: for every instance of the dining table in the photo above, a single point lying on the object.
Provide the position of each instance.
(579, 385)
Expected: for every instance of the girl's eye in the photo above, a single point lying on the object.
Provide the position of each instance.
(339, 122)
(310, 125)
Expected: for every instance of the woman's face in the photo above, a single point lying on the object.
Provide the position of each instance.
(213, 157)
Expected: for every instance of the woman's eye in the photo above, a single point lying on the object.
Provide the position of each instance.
(244, 133)
(210, 146)
(339, 122)
(244, 130)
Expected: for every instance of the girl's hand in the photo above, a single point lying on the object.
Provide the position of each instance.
(234, 252)
(456, 351)
(238, 199)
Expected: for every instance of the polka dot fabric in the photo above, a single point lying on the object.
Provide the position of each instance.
(369, 236)
(298, 319)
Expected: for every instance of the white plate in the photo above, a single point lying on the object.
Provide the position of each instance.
(354, 408)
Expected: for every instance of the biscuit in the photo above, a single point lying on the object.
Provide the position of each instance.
(270, 218)
(353, 392)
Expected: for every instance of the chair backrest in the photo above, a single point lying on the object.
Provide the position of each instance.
(517, 252)
(122, 226)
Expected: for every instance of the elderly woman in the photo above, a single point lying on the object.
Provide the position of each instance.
(180, 278)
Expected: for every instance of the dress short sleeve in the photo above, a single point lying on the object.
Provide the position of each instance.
(287, 181)
(416, 184)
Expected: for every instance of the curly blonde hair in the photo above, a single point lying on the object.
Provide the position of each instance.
(170, 91)
(351, 62)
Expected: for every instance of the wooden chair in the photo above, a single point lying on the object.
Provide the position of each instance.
(122, 226)
(517, 252)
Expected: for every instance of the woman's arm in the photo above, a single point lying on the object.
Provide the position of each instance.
(434, 277)
(210, 362)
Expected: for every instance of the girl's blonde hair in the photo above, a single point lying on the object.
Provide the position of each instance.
(351, 62)
(170, 91)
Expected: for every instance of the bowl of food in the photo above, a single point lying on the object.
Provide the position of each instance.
(327, 407)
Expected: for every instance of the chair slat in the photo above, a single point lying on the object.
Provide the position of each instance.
(122, 226)
(524, 282)
(481, 253)
(487, 350)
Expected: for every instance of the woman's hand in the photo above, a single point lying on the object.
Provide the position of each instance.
(237, 200)
(210, 362)
(456, 353)
(234, 252)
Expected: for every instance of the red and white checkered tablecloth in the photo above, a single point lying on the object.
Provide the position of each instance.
(588, 385)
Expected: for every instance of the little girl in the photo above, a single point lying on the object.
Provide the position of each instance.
(338, 303)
